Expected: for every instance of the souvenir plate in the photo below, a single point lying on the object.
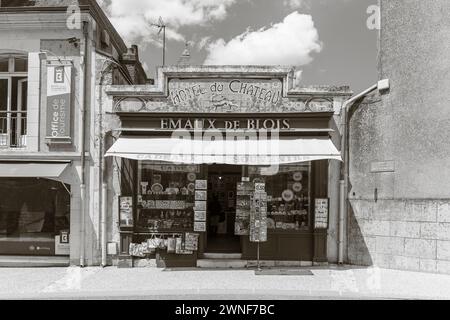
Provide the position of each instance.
(191, 177)
(297, 187)
(298, 176)
(288, 195)
(157, 188)
(191, 187)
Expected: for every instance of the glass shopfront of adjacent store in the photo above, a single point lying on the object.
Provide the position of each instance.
(34, 217)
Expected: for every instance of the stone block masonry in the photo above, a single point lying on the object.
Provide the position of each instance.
(400, 234)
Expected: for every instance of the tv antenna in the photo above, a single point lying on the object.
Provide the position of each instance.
(162, 28)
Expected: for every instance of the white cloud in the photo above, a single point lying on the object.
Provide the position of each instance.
(290, 42)
(203, 42)
(293, 4)
(133, 18)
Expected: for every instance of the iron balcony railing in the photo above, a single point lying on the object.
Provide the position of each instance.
(13, 129)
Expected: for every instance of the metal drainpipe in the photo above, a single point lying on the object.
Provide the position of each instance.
(83, 147)
(345, 183)
(104, 198)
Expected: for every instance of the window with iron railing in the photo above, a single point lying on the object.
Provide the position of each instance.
(13, 101)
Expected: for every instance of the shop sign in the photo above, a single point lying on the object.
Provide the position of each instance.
(321, 214)
(61, 248)
(219, 124)
(223, 95)
(64, 236)
(59, 92)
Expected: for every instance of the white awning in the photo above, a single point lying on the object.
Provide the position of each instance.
(234, 152)
(32, 170)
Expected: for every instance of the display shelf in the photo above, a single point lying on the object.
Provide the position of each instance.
(162, 231)
(163, 195)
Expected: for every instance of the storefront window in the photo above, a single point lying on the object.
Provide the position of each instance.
(167, 197)
(288, 196)
(34, 213)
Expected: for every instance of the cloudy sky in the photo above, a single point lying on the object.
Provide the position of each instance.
(327, 40)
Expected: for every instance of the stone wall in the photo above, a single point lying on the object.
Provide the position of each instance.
(399, 218)
(408, 235)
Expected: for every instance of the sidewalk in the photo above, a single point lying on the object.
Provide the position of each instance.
(324, 283)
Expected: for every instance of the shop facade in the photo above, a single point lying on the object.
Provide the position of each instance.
(50, 79)
(212, 160)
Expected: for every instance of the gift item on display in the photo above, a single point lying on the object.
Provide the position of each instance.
(288, 195)
(144, 186)
(157, 178)
(191, 177)
(201, 184)
(201, 195)
(199, 226)
(171, 245)
(297, 187)
(191, 241)
(157, 188)
(191, 188)
(200, 216)
(298, 176)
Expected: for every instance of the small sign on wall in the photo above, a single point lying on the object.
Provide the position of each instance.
(321, 213)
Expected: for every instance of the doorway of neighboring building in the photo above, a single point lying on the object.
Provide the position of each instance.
(222, 183)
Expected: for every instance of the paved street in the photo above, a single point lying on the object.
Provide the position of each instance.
(148, 283)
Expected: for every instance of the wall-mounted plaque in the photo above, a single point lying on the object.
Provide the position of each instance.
(321, 214)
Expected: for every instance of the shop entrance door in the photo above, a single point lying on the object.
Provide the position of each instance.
(222, 183)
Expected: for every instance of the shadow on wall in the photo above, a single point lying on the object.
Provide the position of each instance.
(358, 249)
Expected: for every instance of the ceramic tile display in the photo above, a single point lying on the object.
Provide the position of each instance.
(200, 216)
(201, 185)
(199, 226)
(201, 197)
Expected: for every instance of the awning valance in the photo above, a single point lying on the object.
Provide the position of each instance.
(233, 152)
(32, 170)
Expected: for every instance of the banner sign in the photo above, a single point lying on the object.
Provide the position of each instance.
(59, 93)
